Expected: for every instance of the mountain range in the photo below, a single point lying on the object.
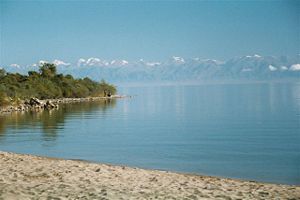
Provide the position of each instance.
(254, 67)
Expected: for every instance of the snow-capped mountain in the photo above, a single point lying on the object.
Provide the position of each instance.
(178, 60)
(119, 63)
(60, 63)
(176, 68)
(92, 62)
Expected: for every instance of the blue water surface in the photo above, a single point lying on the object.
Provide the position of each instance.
(245, 131)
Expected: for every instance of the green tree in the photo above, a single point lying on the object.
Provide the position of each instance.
(48, 84)
(3, 98)
(48, 70)
(2, 73)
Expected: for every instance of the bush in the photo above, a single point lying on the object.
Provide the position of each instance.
(47, 84)
(3, 98)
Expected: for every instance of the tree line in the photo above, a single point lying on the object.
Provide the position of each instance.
(48, 84)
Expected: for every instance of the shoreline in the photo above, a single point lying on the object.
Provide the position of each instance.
(165, 170)
(25, 176)
(48, 104)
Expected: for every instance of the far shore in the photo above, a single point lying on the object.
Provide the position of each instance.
(33, 177)
(48, 104)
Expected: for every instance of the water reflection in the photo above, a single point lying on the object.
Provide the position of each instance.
(226, 130)
(49, 122)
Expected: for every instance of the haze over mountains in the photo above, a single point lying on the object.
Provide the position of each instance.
(254, 67)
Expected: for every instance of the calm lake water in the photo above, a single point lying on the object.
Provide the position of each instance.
(246, 131)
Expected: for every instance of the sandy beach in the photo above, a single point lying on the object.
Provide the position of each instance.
(32, 177)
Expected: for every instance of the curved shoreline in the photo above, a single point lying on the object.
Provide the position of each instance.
(33, 177)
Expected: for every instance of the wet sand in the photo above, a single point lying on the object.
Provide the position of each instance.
(32, 177)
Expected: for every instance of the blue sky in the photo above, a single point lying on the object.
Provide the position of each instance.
(153, 30)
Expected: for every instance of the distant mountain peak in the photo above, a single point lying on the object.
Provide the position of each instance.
(152, 64)
(60, 63)
(92, 61)
(41, 62)
(118, 62)
(272, 68)
(124, 62)
(178, 59)
(14, 65)
(176, 68)
(283, 68)
(295, 67)
(253, 56)
(212, 61)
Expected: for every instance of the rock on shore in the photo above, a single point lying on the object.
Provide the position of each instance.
(48, 104)
(32, 177)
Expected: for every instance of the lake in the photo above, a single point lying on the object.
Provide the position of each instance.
(244, 131)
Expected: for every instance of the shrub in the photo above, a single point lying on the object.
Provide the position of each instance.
(47, 84)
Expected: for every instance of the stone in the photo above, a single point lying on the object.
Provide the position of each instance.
(49, 105)
(35, 102)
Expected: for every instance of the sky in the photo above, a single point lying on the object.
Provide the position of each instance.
(152, 30)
